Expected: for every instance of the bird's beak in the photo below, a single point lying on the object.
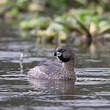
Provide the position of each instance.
(57, 54)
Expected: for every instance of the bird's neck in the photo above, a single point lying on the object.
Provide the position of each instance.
(68, 66)
(68, 69)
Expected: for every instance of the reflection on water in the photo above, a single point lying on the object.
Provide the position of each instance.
(53, 87)
(17, 91)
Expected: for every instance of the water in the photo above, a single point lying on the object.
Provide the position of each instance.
(17, 92)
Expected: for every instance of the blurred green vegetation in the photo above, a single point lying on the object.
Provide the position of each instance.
(56, 21)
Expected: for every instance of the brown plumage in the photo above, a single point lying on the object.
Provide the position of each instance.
(62, 69)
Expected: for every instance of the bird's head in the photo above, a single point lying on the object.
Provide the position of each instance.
(64, 53)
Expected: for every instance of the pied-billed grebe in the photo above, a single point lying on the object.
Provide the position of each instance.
(62, 69)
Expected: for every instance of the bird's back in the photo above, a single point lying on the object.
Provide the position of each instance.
(46, 70)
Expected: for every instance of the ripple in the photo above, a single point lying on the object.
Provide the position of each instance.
(91, 90)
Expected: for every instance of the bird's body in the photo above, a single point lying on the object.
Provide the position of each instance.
(56, 69)
(46, 70)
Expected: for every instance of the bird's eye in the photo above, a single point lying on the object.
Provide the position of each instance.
(63, 50)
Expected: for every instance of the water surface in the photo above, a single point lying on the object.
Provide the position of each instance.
(18, 92)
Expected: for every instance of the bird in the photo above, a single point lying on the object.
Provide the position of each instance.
(60, 69)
